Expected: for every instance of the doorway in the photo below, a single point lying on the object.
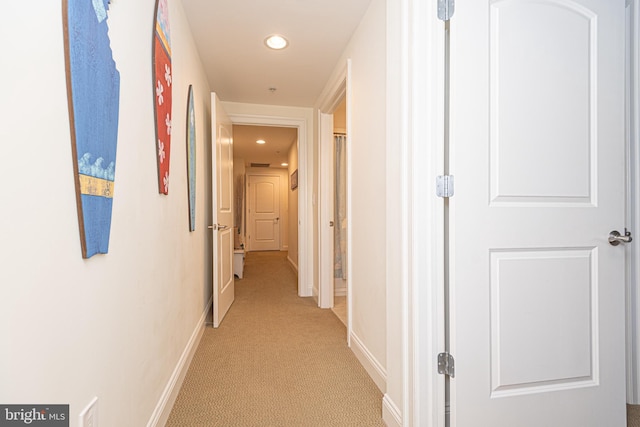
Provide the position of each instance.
(300, 235)
(340, 223)
(334, 210)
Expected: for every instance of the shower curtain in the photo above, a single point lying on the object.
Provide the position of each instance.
(340, 207)
(239, 219)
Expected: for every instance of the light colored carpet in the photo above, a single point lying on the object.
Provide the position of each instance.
(633, 416)
(276, 360)
(340, 308)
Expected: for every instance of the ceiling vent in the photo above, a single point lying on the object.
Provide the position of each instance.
(260, 165)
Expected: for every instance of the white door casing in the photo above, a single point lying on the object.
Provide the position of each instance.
(222, 228)
(633, 208)
(337, 90)
(305, 218)
(537, 298)
(264, 212)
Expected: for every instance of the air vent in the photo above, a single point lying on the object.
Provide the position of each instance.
(260, 165)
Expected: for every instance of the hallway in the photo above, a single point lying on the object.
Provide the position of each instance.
(276, 360)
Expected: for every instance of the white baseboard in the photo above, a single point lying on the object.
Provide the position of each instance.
(391, 415)
(340, 292)
(293, 264)
(167, 399)
(375, 370)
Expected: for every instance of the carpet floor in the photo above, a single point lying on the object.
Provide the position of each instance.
(276, 360)
(633, 416)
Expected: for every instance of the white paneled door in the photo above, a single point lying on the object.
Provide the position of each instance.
(537, 304)
(222, 227)
(264, 212)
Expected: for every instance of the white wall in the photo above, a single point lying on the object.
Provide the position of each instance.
(368, 188)
(115, 325)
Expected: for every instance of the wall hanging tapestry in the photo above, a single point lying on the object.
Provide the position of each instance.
(162, 91)
(191, 159)
(93, 87)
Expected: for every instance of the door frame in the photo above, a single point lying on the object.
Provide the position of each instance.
(338, 90)
(415, 100)
(305, 231)
(633, 210)
(415, 394)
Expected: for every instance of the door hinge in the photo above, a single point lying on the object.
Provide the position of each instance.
(446, 364)
(446, 9)
(444, 185)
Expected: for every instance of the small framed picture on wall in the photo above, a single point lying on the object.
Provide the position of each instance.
(294, 180)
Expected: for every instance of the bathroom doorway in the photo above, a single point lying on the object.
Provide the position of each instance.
(340, 223)
(334, 200)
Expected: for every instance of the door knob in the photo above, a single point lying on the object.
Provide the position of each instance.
(217, 227)
(615, 238)
(330, 223)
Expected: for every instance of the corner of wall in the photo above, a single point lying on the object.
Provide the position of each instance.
(391, 415)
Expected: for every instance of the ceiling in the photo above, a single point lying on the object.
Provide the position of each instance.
(274, 152)
(229, 36)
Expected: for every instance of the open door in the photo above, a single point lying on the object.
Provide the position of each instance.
(222, 208)
(537, 293)
(326, 288)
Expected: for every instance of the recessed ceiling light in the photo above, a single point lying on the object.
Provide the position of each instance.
(261, 141)
(284, 164)
(276, 42)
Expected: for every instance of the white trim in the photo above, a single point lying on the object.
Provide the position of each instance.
(374, 368)
(390, 413)
(349, 106)
(422, 101)
(293, 264)
(633, 209)
(305, 221)
(161, 413)
(338, 88)
(334, 92)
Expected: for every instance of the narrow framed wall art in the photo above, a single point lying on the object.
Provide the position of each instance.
(93, 90)
(162, 88)
(191, 159)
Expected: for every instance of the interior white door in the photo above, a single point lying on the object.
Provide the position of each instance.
(222, 201)
(264, 212)
(537, 151)
(326, 288)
